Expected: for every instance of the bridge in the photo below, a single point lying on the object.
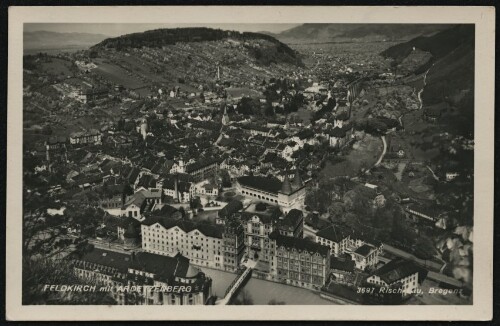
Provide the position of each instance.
(235, 286)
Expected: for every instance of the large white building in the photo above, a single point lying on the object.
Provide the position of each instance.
(201, 243)
(285, 194)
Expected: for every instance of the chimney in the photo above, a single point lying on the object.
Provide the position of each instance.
(176, 188)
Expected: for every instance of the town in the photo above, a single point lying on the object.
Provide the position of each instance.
(246, 171)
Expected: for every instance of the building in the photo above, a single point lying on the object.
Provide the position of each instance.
(55, 149)
(335, 237)
(292, 224)
(344, 241)
(399, 273)
(225, 117)
(259, 222)
(92, 136)
(365, 256)
(91, 94)
(299, 262)
(342, 270)
(202, 170)
(205, 188)
(233, 249)
(203, 244)
(286, 194)
(180, 191)
(164, 280)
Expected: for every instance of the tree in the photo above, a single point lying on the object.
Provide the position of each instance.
(260, 207)
(38, 272)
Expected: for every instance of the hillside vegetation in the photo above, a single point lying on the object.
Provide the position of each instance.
(358, 32)
(450, 78)
(264, 48)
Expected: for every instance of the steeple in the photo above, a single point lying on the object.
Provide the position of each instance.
(225, 117)
(286, 187)
(297, 180)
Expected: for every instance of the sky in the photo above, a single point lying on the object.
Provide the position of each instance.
(121, 29)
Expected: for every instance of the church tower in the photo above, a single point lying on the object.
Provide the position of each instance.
(297, 182)
(286, 187)
(225, 117)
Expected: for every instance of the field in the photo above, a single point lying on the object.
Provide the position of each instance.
(364, 154)
(57, 67)
(117, 75)
(241, 91)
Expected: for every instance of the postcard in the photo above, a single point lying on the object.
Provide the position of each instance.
(261, 163)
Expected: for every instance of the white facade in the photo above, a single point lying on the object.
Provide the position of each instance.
(409, 283)
(202, 250)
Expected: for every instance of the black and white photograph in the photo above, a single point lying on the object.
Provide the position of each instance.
(249, 164)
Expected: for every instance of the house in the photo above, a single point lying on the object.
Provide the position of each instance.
(179, 190)
(202, 169)
(342, 270)
(404, 274)
(365, 256)
(92, 136)
(287, 194)
(205, 188)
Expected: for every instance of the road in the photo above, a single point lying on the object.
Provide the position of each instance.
(383, 152)
(433, 174)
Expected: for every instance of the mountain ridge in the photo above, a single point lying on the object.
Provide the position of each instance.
(339, 32)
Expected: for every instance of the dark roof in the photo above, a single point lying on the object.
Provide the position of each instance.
(208, 230)
(200, 164)
(164, 267)
(342, 264)
(286, 187)
(396, 270)
(232, 207)
(344, 115)
(305, 133)
(364, 250)
(297, 180)
(299, 244)
(337, 132)
(292, 218)
(334, 233)
(103, 257)
(262, 183)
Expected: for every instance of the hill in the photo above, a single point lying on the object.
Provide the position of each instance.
(264, 48)
(450, 77)
(44, 41)
(318, 33)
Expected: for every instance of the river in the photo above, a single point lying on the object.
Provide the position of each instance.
(262, 291)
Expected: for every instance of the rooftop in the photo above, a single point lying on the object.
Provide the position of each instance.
(396, 270)
(299, 244)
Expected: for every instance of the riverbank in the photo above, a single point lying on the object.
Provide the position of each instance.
(263, 291)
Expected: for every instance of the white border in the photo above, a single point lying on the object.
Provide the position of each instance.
(483, 17)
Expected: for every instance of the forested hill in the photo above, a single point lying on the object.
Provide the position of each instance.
(313, 33)
(439, 45)
(450, 79)
(270, 47)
